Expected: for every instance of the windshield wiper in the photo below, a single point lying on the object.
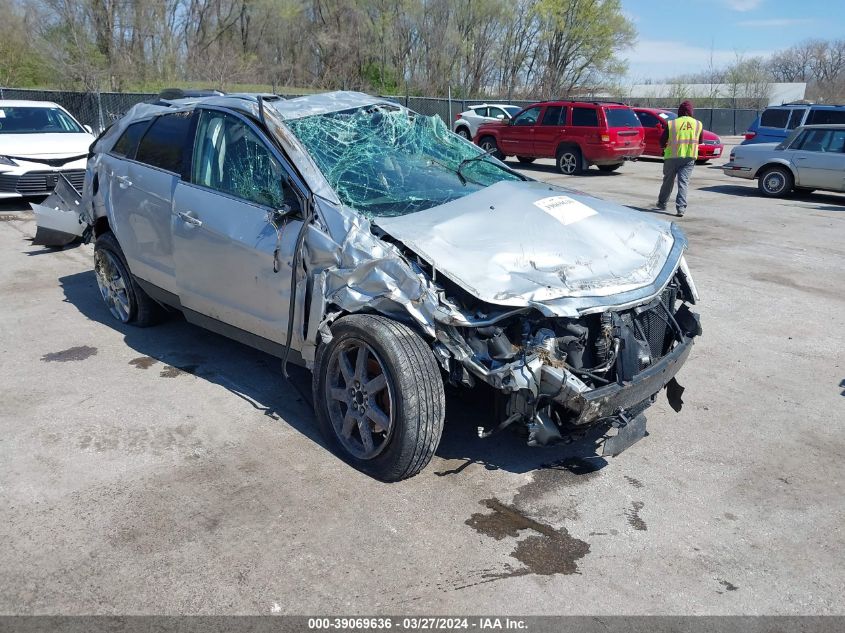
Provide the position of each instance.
(467, 161)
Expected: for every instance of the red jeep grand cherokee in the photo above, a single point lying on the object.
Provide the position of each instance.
(576, 134)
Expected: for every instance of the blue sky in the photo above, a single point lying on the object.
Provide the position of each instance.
(676, 37)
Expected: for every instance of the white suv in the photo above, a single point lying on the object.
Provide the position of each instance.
(466, 123)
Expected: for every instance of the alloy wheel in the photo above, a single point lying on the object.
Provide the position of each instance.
(774, 182)
(360, 399)
(113, 286)
(568, 163)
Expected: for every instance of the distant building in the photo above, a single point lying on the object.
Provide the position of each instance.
(718, 95)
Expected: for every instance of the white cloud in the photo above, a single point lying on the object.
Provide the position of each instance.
(775, 22)
(658, 59)
(742, 5)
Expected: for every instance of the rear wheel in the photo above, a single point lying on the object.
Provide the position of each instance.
(488, 144)
(379, 396)
(569, 161)
(609, 168)
(775, 182)
(525, 159)
(124, 298)
(462, 131)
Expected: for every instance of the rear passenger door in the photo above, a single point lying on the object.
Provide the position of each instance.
(141, 191)
(224, 241)
(517, 139)
(584, 128)
(820, 159)
(552, 127)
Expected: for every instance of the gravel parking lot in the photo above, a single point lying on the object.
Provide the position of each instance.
(169, 470)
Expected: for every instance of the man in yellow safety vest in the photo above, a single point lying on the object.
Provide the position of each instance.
(679, 141)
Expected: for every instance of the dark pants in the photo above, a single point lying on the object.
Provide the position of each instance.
(680, 168)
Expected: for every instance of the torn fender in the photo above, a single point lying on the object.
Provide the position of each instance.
(57, 218)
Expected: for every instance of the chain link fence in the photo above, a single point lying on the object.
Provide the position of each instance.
(99, 110)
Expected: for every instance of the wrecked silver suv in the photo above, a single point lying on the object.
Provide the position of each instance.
(388, 255)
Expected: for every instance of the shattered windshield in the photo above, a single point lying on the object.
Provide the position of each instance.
(384, 161)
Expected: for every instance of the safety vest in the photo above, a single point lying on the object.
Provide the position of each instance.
(683, 137)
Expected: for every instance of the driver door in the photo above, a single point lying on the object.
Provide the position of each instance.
(223, 240)
(517, 139)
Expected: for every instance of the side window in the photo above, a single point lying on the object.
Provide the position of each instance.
(826, 117)
(162, 144)
(795, 118)
(230, 157)
(815, 140)
(647, 119)
(497, 112)
(529, 117)
(481, 111)
(837, 142)
(774, 117)
(127, 144)
(585, 117)
(552, 115)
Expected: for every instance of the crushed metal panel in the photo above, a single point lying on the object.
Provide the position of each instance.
(515, 244)
(58, 217)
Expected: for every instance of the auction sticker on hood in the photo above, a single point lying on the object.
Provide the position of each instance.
(564, 209)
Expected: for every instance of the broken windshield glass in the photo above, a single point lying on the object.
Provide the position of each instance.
(385, 161)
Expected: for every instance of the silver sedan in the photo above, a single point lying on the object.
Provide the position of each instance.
(813, 157)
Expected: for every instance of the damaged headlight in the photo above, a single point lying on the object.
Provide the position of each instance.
(6, 160)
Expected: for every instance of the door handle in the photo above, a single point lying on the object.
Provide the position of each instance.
(124, 182)
(800, 158)
(187, 218)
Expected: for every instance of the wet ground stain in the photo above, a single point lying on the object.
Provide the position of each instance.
(634, 518)
(636, 483)
(546, 552)
(172, 372)
(80, 352)
(143, 362)
(729, 586)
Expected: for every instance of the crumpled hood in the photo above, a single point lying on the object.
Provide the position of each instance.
(45, 145)
(523, 243)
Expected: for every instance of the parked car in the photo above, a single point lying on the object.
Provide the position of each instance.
(654, 122)
(576, 134)
(344, 232)
(467, 122)
(777, 122)
(813, 157)
(39, 141)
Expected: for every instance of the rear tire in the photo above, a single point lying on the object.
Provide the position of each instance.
(525, 160)
(489, 143)
(124, 298)
(775, 182)
(568, 161)
(462, 131)
(378, 395)
(609, 168)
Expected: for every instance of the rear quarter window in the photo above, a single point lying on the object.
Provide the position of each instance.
(621, 117)
(775, 117)
(127, 144)
(163, 144)
(585, 117)
(826, 117)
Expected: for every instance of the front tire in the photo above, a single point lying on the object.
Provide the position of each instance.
(488, 143)
(568, 161)
(378, 395)
(124, 298)
(775, 182)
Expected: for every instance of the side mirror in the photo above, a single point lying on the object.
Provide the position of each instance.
(277, 216)
(88, 129)
(500, 116)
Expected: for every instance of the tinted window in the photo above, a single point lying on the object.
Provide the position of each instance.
(621, 117)
(529, 117)
(552, 115)
(230, 157)
(585, 117)
(821, 141)
(496, 113)
(512, 110)
(481, 111)
(775, 117)
(162, 144)
(128, 141)
(795, 118)
(647, 119)
(826, 117)
(35, 120)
